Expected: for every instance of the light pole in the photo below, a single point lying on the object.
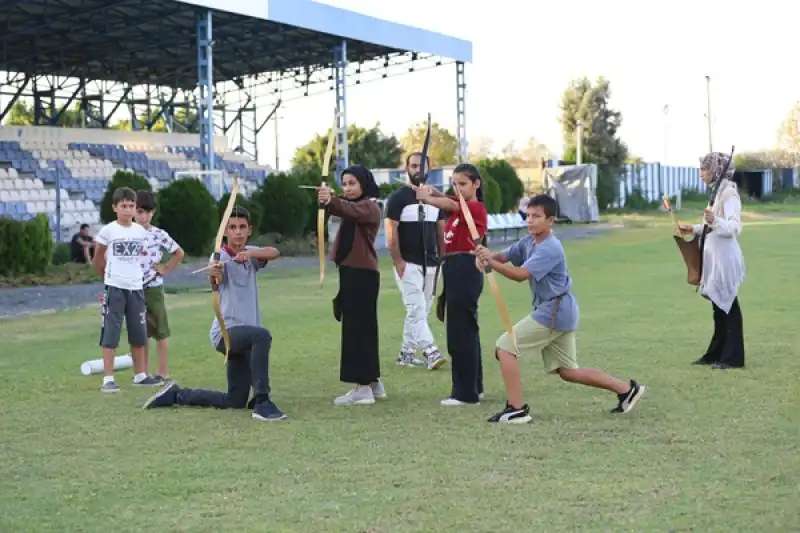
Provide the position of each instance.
(708, 112)
(666, 143)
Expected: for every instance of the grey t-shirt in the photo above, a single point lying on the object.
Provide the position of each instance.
(549, 278)
(238, 295)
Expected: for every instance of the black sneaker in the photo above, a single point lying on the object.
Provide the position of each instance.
(109, 387)
(628, 400)
(166, 397)
(162, 379)
(149, 381)
(268, 411)
(512, 415)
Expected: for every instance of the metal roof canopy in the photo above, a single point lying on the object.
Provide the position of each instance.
(155, 41)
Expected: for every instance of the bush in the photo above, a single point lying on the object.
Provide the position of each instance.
(122, 178)
(288, 246)
(491, 191)
(25, 247)
(188, 212)
(252, 207)
(636, 201)
(61, 254)
(66, 274)
(40, 243)
(312, 175)
(607, 192)
(492, 195)
(284, 205)
(388, 188)
(509, 184)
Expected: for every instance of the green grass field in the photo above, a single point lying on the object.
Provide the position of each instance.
(704, 451)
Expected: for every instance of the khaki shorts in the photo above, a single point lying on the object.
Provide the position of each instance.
(557, 348)
(157, 323)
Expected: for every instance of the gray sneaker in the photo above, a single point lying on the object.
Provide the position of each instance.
(356, 397)
(109, 387)
(409, 359)
(378, 390)
(435, 360)
(149, 381)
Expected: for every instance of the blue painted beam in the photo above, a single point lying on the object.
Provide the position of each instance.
(205, 83)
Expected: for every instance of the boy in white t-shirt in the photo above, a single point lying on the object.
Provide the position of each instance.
(117, 260)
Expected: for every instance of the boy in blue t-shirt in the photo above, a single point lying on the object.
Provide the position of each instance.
(550, 330)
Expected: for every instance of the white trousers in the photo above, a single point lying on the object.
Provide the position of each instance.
(416, 332)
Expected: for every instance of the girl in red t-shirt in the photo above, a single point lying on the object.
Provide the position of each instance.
(463, 282)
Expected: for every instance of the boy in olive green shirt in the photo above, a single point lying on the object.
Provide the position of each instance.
(158, 241)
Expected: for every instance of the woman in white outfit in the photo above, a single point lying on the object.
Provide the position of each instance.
(723, 263)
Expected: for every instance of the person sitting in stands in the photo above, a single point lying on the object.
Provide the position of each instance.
(81, 247)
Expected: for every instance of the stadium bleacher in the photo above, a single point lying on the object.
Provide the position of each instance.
(32, 158)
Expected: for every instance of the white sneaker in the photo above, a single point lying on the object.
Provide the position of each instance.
(378, 390)
(409, 359)
(356, 397)
(435, 359)
(452, 402)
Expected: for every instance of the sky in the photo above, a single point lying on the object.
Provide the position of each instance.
(654, 53)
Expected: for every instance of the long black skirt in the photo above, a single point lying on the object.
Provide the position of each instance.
(463, 284)
(358, 303)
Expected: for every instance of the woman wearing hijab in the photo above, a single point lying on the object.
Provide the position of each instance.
(356, 305)
(722, 263)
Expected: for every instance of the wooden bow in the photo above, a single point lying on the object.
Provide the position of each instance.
(476, 238)
(326, 163)
(216, 257)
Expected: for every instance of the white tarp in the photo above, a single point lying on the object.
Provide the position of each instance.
(575, 189)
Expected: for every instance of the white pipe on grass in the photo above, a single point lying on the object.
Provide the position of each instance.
(95, 366)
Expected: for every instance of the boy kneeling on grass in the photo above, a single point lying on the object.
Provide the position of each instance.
(248, 362)
(550, 330)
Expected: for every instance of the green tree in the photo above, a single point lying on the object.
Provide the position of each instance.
(480, 148)
(312, 176)
(122, 178)
(253, 207)
(284, 205)
(789, 132)
(388, 188)
(368, 147)
(188, 212)
(22, 114)
(492, 198)
(443, 148)
(182, 118)
(583, 101)
(529, 156)
(506, 178)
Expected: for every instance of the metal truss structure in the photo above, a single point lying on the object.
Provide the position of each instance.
(185, 68)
